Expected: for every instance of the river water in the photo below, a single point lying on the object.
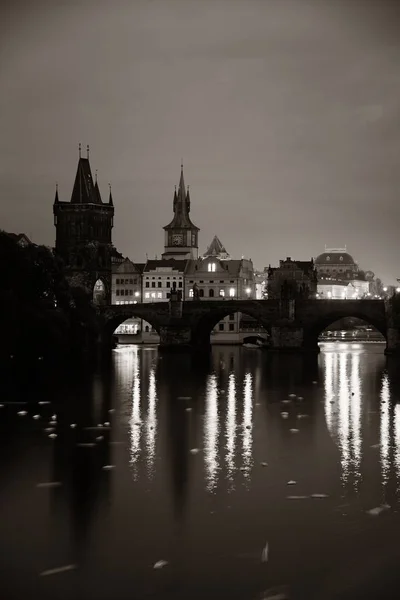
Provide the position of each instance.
(202, 458)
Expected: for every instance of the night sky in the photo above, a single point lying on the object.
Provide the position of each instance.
(285, 112)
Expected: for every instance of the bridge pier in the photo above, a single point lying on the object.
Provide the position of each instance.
(175, 338)
(392, 341)
(291, 338)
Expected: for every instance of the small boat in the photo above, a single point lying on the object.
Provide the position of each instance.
(255, 341)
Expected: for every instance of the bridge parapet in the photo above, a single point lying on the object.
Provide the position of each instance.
(189, 323)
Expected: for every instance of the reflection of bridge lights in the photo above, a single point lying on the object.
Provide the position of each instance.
(345, 424)
(151, 422)
(247, 434)
(343, 421)
(135, 418)
(231, 426)
(385, 430)
(330, 357)
(355, 412)
(397, 443)
(211, 430)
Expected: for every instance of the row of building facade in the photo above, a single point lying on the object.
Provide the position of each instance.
(84, 242)
(215, 275)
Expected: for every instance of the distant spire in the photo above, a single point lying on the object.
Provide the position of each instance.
(95, 176)
(181, 191)
(56, 196)
(80, 150)
(110, 200)
(87, 151)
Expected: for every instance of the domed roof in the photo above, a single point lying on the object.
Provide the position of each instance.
(334, 258)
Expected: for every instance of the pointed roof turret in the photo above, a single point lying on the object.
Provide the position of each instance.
(181, 205)
(56, 200)
(110, 199)
(216, 248)
(85, 191)
(181, 188)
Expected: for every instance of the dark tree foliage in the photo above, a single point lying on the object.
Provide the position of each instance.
(42, 318)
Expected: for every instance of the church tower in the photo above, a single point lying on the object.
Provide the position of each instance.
(181, 236)
(83, 234)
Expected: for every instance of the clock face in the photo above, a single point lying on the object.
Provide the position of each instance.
(177, 239)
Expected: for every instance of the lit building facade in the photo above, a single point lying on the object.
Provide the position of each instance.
(339, 277)
(159, 278)
(261, 284)
(216, 276)
(126, 289)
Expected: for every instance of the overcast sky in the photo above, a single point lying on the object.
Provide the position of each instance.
(285, 113)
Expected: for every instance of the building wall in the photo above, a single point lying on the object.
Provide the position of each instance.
(291, 274)
(218, 279)
(157, 284)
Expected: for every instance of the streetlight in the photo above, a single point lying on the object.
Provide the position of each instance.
(248, 291)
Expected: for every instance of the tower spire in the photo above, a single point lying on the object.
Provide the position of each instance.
(87, 151)
(56, 196)
(80, 150)
(110, 200)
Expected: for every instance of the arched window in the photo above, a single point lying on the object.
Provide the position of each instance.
(99, 293)
(212, 267)
(201, 293)
(211, 293)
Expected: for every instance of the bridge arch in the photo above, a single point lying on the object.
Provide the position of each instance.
(206, 322)
(313, 330)
(113, 318)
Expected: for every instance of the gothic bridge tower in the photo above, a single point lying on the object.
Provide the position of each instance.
(83, 234)
(181, 236)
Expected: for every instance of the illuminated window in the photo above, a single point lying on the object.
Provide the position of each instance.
(191, 293)
(153, 294)
(159, 294)
(147, 295)
(212, 267)
(137, 294)
(222, 293)
(232, 292)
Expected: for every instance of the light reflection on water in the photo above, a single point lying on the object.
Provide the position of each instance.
(247, 433)
(178, 502)
(345, 412)
(151, 425)
(385, 431)
(231, 428)
(135, 423)
(397, 443)
(211, 433)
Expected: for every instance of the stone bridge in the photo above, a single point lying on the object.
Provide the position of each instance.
(293, 326)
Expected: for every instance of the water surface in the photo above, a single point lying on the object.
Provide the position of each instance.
(208, 513)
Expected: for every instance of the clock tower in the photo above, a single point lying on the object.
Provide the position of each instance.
(181, 236)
